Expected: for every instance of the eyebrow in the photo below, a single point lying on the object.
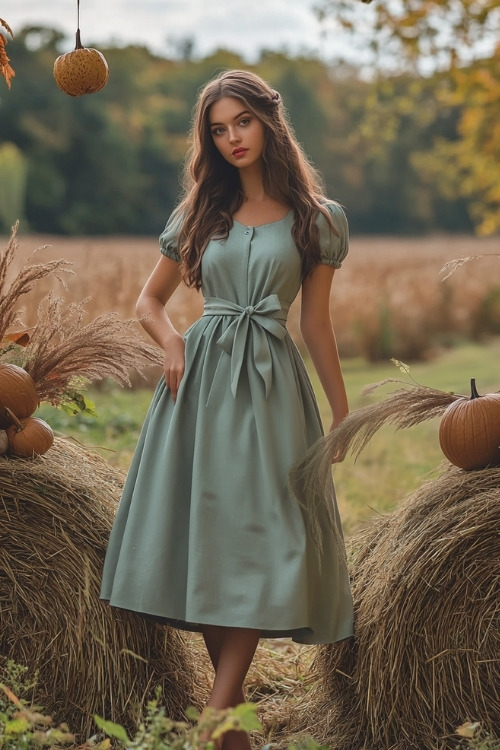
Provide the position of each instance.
(245, 112)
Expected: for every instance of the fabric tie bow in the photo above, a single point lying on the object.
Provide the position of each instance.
(266, 315)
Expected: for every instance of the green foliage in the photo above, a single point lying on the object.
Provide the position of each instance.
(22, 726)
(109, 163)
(74, 402)
(13, 174)
(446, 31)
(460, 39)
(115, 422)
(15, 676)
(158, 732)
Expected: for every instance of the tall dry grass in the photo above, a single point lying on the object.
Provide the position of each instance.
(388, 299)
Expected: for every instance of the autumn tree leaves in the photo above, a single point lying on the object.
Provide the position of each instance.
(5, 68)
(457, 43)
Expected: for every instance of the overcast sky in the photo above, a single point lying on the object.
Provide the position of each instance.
(246, 26)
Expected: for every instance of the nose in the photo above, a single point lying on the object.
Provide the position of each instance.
(233, 136)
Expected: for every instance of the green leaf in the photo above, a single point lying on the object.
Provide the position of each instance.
(247, 715)
(112, 729)
(192, 713)
(17, 726)
(74, 402)
(226, 725)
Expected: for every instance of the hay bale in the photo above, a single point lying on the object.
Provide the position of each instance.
(426, 653)
(56, 513)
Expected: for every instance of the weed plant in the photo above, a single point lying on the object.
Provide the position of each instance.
(25, 727)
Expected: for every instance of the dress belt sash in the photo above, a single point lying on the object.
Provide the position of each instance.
(266, 315)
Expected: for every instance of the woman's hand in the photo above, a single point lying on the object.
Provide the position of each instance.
(338, 455)
(174, 362)
(151, 310)
(335, 424)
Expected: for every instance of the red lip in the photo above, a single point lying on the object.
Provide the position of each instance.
(239, 151)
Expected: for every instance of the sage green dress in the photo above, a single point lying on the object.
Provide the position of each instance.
(208, 530)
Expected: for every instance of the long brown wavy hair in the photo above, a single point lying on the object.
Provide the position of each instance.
(212, 187)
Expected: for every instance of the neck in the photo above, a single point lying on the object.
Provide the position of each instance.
(252, 183)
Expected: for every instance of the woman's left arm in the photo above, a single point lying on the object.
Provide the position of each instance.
(319, 337)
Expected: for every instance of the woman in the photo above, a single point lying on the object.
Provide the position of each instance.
(208, 535)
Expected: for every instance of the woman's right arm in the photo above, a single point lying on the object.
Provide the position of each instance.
(150, 309)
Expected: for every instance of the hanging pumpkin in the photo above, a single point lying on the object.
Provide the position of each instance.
(29, 437)
(17, 393)
(469, 431)
(82, 71)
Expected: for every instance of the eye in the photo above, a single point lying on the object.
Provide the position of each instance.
(217, 131)
(245, 121)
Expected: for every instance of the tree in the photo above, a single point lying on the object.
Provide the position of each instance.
(432, 33)
(469, 167)
(13, 172)
(460, 39)
(110, 163)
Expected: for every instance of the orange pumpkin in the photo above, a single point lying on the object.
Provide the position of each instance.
(469, 431)
(17, 393)
(29, 437)
(82, 71)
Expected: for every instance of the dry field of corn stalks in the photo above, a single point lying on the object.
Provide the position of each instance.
(389, 294)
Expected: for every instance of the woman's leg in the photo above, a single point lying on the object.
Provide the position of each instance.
(234, 651)
(231, 651)
(213, 636)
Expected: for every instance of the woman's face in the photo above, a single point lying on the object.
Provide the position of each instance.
(237, 133)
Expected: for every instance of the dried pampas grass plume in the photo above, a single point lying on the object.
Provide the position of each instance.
(405, 407)
(63, 347)
(453, 265)
(62, 351)
(24, 281)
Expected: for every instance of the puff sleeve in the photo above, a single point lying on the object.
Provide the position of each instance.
(333, 248)
(169, 238)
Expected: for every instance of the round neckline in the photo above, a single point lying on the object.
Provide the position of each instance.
(266, 224)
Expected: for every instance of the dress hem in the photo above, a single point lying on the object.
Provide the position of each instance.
(303, 635)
